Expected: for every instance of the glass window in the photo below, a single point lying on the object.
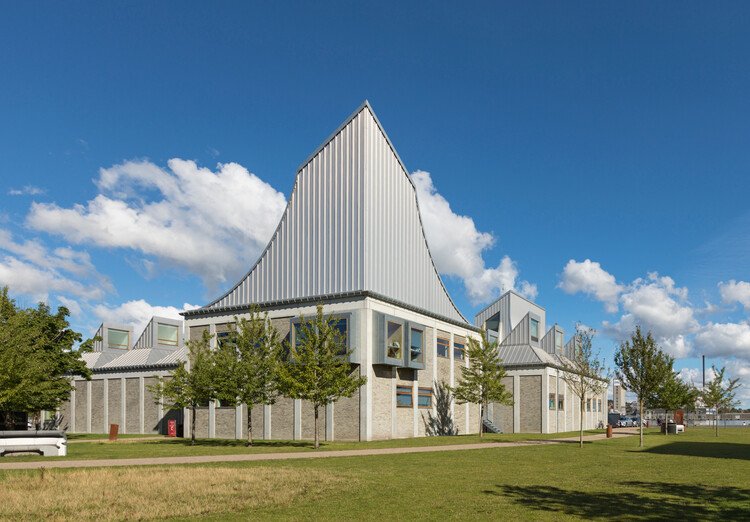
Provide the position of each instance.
(395, 341)
(443, 345)
(588, 404)
(534, 329)
(299, 334)
(558, 341)
(560, 402)
(416, 345)
(223, 333)
(166, 334)
(459, 346)
(551, 401)
(424, 400)
(196, 332)
(404, 397)
(342, 327)
(118, 338)
(600, 405)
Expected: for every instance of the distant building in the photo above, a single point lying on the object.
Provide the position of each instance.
(618, 397)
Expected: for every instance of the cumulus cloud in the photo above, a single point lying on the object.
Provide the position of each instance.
(29, 267)
(28, 190)
(724, 339)
(590, 278)
(211, 223)
(735, 291)
(457, 247)
(137, 313)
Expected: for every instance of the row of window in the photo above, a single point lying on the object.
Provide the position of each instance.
(444, 343)
(166, 334)
(405, 397)
(596, 404)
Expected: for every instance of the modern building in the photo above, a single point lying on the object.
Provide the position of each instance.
(535, 361)
(351, 239)
(618, 397)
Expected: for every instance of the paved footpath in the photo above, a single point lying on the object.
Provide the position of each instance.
(203, 459)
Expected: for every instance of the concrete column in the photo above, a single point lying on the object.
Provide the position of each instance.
(88, 406)
(123, 408)
(72, 420)
(267, 421)
(105, 398)
(516, 403)
(329, 421)
(365, 400)
(238, 420)
(211, 419)
(297, 419)
(141, 405)
(545, 401)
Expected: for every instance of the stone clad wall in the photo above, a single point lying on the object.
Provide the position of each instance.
(132, 406)
(531, 403)
(97, 406)
(114, 400)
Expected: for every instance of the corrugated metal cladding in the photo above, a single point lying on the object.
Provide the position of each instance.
(519, 335)
(352, 224)
(502, 307)
(145, 340)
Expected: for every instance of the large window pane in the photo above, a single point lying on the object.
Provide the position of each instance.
(459, 347)
(395, 341)
(118, 338)
(443, 345)
(424, 400)
(558, 341)
(534, 328)
(416, 345)
(404, 397)
(342, 327)
(167, 334)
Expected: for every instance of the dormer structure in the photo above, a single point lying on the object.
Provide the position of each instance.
(113, 337)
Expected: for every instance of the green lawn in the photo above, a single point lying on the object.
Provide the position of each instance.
(100, 448)
(692, 476)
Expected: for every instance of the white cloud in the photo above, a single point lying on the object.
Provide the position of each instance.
(137, 313)
(457, 246)
(213, 224)
(30, 268)
(71, 304)
(736, 291)
(590, 278)
(724, 339)
(28, 190)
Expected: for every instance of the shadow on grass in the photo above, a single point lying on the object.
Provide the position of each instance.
(717, 450)
(654, 501)
(236, 443)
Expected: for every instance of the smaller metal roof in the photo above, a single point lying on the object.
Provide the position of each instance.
(141, 358)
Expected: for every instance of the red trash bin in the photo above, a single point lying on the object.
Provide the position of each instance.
(171, 428)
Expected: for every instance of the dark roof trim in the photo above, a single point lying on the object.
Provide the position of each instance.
(359, 294)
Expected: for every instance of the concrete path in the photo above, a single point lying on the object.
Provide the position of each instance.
(203, 459)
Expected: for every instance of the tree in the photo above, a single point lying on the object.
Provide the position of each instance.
(192, 383)
(37, 358)
(718, 395)
(583, 371)
(441, 424)
(481, 380)
(318, 368)
(247, 365)
(673, 393)
(642, 368)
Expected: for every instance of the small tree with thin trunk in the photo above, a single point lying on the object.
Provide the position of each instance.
(672, 394)
(192, 382)
(583, 372)
(481, 380)
(318, 368)
(247, 365)
(720, 395)
(642, 368)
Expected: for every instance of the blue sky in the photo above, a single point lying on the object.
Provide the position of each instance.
(596, 131)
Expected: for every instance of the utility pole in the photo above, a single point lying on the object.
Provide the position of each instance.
(704, 371)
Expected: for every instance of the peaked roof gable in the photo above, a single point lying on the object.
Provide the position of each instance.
(352, 225)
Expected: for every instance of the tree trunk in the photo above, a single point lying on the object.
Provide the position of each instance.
(716, 420)
(640, 421)
(8, 420)
(317, 440)
(249, 425)
(580, 437)
(192, 425)
(481, 421)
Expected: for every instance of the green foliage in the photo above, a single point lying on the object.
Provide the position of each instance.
(247, 365)
(719, 395)
(642, 367)
(583, 371)
(441, 423)
(673, 394)
(192, 383)
(37, 358)
(481, 380)
(318, 369)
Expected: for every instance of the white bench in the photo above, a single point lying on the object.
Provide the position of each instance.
(47, 443)
(680, 428)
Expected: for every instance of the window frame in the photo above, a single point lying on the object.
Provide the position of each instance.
(552, 402)
(167, 342)
(294, 322)
(588, 405)
(534, 320)
(560, 402)
(424, 392)
(418, 364)
(447, 346)
(457, 351)
(404, 391)
(112, 346)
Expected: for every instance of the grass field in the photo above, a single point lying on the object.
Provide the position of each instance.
(692, 476)
(100, 448)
